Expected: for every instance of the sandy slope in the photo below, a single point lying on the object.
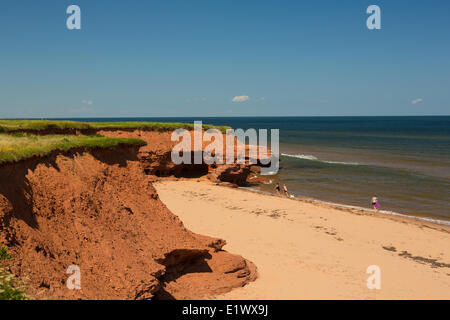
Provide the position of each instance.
(312, 251)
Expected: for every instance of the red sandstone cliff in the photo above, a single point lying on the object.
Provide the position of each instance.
(156, 159)
(98, 210)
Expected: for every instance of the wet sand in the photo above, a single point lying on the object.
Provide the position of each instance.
(307, 250)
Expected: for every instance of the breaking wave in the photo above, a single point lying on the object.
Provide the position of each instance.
(313, 158)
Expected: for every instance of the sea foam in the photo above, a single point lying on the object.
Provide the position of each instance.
(313, 158)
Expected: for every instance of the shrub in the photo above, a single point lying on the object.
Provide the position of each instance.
(4, 255)
(10, 287)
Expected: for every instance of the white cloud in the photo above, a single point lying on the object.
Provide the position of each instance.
(88, 102)
(240, 98)
(416, 101)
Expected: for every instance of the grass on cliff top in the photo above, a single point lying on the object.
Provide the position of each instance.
(38, 125)
(19, 146)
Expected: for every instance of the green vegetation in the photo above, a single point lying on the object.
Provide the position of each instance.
(18, 125)
(17, 141)
(18, 146)
(152, 126)
(39, 125)
(4, 255)
(10, 287)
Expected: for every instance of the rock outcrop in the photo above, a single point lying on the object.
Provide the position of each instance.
(156, 159)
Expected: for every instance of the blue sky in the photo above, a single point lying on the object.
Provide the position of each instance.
(191, 58)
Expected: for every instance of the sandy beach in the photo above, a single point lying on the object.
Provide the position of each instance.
(307, 250)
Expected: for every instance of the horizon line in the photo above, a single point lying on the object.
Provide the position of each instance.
(190, 117)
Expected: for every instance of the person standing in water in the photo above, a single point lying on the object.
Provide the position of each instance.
(375, 203)
(277, 188)
(286, 193)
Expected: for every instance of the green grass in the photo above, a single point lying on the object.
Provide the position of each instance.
(16, 142)
(19, 146)
(17, 125)
(38, 125)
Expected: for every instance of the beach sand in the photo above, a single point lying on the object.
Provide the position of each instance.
(306, 250)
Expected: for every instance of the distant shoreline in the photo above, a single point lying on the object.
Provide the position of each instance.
(349, 208)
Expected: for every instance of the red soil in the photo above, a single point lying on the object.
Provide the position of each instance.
(98, 210)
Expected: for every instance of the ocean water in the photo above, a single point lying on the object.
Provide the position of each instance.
(405, 161)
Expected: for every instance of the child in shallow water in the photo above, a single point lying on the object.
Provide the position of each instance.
(375, 202)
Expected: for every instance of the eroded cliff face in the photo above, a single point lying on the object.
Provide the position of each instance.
(99, 211)
(156, 159)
